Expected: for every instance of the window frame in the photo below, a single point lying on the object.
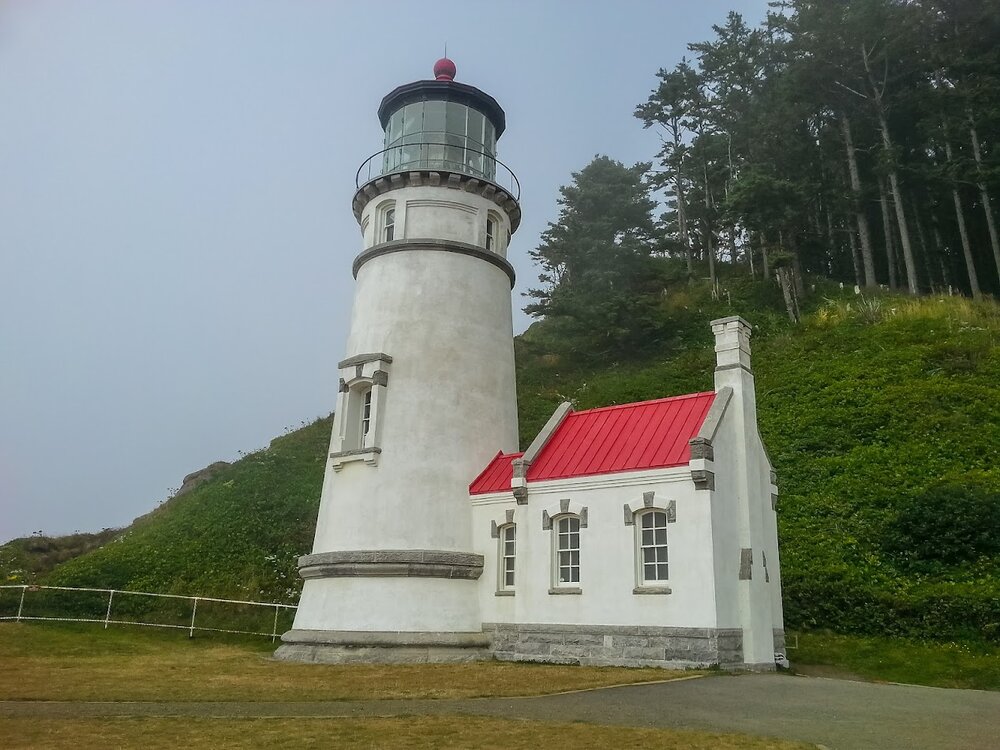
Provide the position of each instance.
(366, 415)
(655, 547)
(491, 233)
(559, 585)
(388, 223)
(503, 557)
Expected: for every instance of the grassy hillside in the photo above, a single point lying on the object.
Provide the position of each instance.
(881, 415)
(238, 534)
(26, 559)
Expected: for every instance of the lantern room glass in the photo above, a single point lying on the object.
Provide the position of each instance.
(440, 135)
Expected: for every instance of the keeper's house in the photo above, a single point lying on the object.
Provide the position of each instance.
(640, 534)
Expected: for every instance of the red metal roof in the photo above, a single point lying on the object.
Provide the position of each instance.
(496, 476)
(630, 437)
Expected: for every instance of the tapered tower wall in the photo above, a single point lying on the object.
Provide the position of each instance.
(426, 398)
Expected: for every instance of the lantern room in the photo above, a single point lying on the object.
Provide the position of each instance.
(442, 125)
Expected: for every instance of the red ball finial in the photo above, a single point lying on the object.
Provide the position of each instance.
(444, 70)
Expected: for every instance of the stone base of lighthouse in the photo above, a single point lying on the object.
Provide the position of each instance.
(388, 606)
(345, 647)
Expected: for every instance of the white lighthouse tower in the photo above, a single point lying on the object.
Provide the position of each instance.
(427, 392)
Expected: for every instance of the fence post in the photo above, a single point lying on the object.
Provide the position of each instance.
(274, 628)
(20, 606)
(194, 611)
(107, 615)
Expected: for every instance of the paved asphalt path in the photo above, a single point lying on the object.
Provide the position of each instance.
(836, 714)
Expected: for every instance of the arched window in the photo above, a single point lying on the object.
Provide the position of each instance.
(491, 232)
(389, 224)
(366, 414)
(507, 551)
(651, 547)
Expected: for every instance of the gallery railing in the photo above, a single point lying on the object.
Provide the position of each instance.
(25, 603)
(444, 157)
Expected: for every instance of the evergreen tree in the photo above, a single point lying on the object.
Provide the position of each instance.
(596, 260)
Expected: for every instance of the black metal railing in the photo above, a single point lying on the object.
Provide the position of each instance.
(446, 157)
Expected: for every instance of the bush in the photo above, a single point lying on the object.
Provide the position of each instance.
(947, 525)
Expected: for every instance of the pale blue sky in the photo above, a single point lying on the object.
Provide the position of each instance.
(175, 227)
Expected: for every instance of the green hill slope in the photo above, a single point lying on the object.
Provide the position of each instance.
(882, 418)
(236, 535)
(875, 413)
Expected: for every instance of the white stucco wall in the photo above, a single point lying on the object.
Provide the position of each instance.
(450, 403)
(742, 512)
(607, 553)
(426, 212)
(389, 605)
(444, 319)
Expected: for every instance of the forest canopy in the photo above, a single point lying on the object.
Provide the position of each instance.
(852, 140)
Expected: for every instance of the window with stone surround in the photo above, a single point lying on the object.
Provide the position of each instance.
(651, 547)
(366, 413)
(361, 399)
(507, 556)
(566, 565)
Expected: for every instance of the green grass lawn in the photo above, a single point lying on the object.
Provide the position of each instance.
(950, 665)
(409, 732)
(72, 662)
(86, 662)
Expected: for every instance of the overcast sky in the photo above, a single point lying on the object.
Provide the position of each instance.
(176, 234)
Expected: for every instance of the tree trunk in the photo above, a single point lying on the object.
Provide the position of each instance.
(890, 238)
(710, 252)
(984, 193)
(831, 241)
(682, 210)
(709, 245)
(904, 234)
(854, 257)
(764, 261)
(753, 273)
(922, 239)
(897, 196)
(784, 275)
(963, 233)
(797, 278)
(942, 253)
(864, 232)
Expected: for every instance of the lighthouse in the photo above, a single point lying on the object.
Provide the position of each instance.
(426, 388)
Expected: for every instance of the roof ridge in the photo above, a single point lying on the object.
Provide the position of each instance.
(634, 404)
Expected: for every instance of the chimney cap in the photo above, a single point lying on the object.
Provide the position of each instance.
(721, 322)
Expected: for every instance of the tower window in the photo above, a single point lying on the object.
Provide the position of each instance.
(366, 414)
(389, 224)
(491, 233)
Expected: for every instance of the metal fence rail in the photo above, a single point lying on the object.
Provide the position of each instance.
(107, 620)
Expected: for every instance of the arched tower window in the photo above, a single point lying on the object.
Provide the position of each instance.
(358, 420)
(366, 414)
(388, 222)
(491, 232)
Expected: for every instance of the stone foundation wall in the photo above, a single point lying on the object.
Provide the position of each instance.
(779, 641)
(617, 645)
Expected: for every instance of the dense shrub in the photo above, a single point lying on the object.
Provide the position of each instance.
(949, 524)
